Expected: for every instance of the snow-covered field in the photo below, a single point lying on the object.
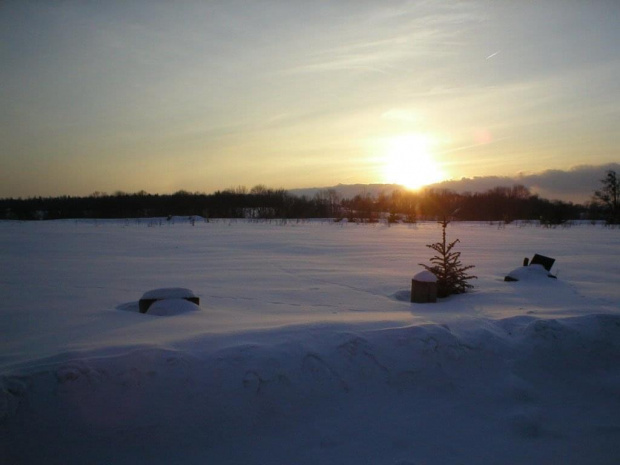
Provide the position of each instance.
(305, 349)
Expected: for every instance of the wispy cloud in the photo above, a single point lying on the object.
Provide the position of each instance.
(390, 42)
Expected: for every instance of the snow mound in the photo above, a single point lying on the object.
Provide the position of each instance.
(171, 307)
(529, 273)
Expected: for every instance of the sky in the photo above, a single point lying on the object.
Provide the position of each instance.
(207, 95)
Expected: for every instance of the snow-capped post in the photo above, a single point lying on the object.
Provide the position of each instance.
(424, 288)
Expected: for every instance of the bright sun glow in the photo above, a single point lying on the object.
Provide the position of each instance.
(408, 161)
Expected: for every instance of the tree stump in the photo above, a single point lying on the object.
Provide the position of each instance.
(424, 288)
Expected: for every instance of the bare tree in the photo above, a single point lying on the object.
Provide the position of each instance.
(608, 196)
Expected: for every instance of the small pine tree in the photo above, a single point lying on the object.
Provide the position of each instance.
(447, 267)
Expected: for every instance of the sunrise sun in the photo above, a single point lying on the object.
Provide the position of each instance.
(409, 162)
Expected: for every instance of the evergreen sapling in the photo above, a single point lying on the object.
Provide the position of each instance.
(447, 267)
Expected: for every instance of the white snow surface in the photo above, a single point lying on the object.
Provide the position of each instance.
(425, 276)
(306, 349)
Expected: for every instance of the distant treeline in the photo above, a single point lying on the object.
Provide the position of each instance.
(260, 202)
(498, 204)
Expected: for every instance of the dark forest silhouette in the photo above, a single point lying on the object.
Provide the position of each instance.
(498, 204)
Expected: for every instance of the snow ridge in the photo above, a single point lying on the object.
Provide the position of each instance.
(508, 378)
